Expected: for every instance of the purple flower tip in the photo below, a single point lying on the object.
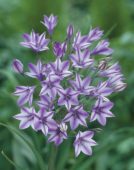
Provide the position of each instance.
(17, 66)
(70, 31)
(35, 41)
(50, 23)
(59, 49)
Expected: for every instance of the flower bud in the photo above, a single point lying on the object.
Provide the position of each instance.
(102, 65)
(70, 31)
(17, 66)
(120, 86)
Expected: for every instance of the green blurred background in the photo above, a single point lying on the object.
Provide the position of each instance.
(26, 150)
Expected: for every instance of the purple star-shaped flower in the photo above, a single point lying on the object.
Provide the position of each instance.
(94, 34)
(37, 71)
(25, 94)
(35, 41)
(102, 48)
(81, 42)
(59, 49)
(50, 23)
(43, 121)
(83, 143)
(102, 90)
(81, 86)
(101, 111)
(81, 59)
(68, 97)
(60, 69)
(50, 86)
(46, 102)
(58, 134)
(26, 117)
(76, 116)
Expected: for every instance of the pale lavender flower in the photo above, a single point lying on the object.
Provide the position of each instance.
(70, 31)
(81, 86)
(81, 42)
(58, 134)
(68, 97)
(50, 86)
(26, 117)
(102, 49)
(59, 49)
(116, 83)
(81, 59)
(46, 102)
(50, 23)
(35, 41)
(102, 90)
(94, 34)
(43, 121)
(60, 69)
(17, 66)
(101, 111)
(83, 143)
(37, 71)
(119, 86)
(25, 94)
(111, 71)
(76, 116)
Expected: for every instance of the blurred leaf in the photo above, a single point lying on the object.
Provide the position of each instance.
(10, 161)
(28, 142)
(10, 76)
(109, 14)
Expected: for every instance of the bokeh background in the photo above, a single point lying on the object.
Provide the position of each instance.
(26, 150)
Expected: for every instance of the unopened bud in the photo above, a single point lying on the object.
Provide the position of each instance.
(70, 31)
(120, 86)
(102, 65)
(17, 66)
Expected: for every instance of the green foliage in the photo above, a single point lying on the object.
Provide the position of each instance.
(29, 150)
(108, 13)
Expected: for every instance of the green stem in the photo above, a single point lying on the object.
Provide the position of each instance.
(52, 157)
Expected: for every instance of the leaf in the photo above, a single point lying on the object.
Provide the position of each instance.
(23, 137)
(18, 157)
(110, 31)
(10, 161)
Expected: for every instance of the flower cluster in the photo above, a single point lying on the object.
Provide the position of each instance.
(73, 90)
